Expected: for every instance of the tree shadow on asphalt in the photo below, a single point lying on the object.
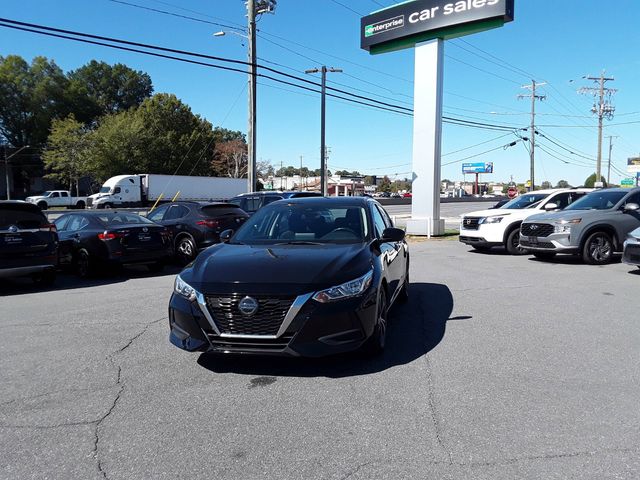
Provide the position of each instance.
(415, 328)
(68, 281)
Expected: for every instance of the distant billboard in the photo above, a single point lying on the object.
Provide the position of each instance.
(480, 167)
(633, 164)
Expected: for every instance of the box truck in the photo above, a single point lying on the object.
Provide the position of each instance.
(145, 189)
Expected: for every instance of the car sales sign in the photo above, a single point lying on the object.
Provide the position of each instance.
(404, 25)
(477, 168)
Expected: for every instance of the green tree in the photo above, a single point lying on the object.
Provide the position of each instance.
(385, 185)
(563, 184)
(591, 180)
(30, 97)
(98, 89)
(161, 136)
(66, 152)
(545, 185)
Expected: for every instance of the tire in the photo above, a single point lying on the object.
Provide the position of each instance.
(45, 279)
(81, 205)
(376, 342)
(43, 205)
(156, 267)
(512, 243)
(598, 249)
(84, 264)
(544, 255)
(108, 206)
(185, 250)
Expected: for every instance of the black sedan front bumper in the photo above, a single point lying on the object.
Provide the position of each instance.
(309, 328)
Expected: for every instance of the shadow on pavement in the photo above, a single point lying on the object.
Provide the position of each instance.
(415, 328)
(68, 281)
(490, 251)
(573, 260)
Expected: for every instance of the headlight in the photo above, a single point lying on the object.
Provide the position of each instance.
(564, 226)
(346, 290)
(495, 219)
(183, 288)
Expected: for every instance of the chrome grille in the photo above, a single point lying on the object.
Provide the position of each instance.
(536, 229)
(265, 321)
(471, 223)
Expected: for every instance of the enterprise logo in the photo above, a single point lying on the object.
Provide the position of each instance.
(384, 26)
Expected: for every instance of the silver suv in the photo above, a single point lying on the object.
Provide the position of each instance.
(594, 227)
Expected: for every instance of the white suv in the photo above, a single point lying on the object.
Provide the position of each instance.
(501, 226)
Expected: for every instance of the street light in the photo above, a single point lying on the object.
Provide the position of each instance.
(323, 149)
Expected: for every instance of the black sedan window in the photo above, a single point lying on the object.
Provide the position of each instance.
(115, 219)
(294, 223)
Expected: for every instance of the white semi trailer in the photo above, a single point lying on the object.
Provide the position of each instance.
(145, 189)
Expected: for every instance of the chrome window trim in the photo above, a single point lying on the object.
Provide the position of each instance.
(297, 304)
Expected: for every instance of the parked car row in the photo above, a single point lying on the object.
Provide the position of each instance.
(88, 241)
(594, 224)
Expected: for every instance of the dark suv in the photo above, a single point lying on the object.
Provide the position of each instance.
(28, 243)
(594, 227)
(195, 226)
(252, 202)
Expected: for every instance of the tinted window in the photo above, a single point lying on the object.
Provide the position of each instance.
(157, 214)
(176, 212)
(77, 222)
(61, 223)
(117, 190)
(116, 219)
(271, 199)
(378, 221)
(575, 196)
(600, 200)
(21, 218)
(64, 194)
(385, 216)
(236, 201)
(221, 210)
(562, 200)
(251, 204)
(635, 198)
(283, 223)
(55, 195)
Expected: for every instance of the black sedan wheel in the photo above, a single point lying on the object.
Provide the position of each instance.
(84, 267)
(185, 250)
(376, 343)
(598, 249)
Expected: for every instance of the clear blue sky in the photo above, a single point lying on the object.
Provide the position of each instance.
(554, 41)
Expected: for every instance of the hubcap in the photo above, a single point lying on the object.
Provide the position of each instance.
(185, 248)
(600, 248)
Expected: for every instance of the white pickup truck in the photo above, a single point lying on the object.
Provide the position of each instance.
(57, 198)
(501, 226)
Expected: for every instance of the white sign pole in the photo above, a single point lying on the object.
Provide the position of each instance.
(427, 137)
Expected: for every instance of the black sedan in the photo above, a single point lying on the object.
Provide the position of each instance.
(196, 226)
(91, 240)
(302, 277)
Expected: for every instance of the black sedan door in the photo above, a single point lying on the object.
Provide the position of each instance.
(392, 253)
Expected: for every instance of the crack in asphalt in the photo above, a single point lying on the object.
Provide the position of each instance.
(98, 423)
(431, 394)
(356, 470)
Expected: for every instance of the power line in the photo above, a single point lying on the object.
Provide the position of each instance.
(503, 147)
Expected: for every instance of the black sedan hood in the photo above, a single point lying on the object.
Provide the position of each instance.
(283, 269)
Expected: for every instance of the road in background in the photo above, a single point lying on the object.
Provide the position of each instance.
(487, 375)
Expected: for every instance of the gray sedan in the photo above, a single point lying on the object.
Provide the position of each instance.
(631, 253)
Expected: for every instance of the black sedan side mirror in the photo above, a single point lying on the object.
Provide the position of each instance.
(631, 207)
(392, 235)
(226, 235)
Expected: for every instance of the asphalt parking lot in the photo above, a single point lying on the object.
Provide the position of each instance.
(499, 367)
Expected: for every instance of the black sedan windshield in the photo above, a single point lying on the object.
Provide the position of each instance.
(283, 223)
(597, 201)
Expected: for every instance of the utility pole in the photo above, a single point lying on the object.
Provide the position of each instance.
(532, 140)
(603, 109)
(323, 152)
(611, 137)
(300, 173)
(254, 8)
(6, 166)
